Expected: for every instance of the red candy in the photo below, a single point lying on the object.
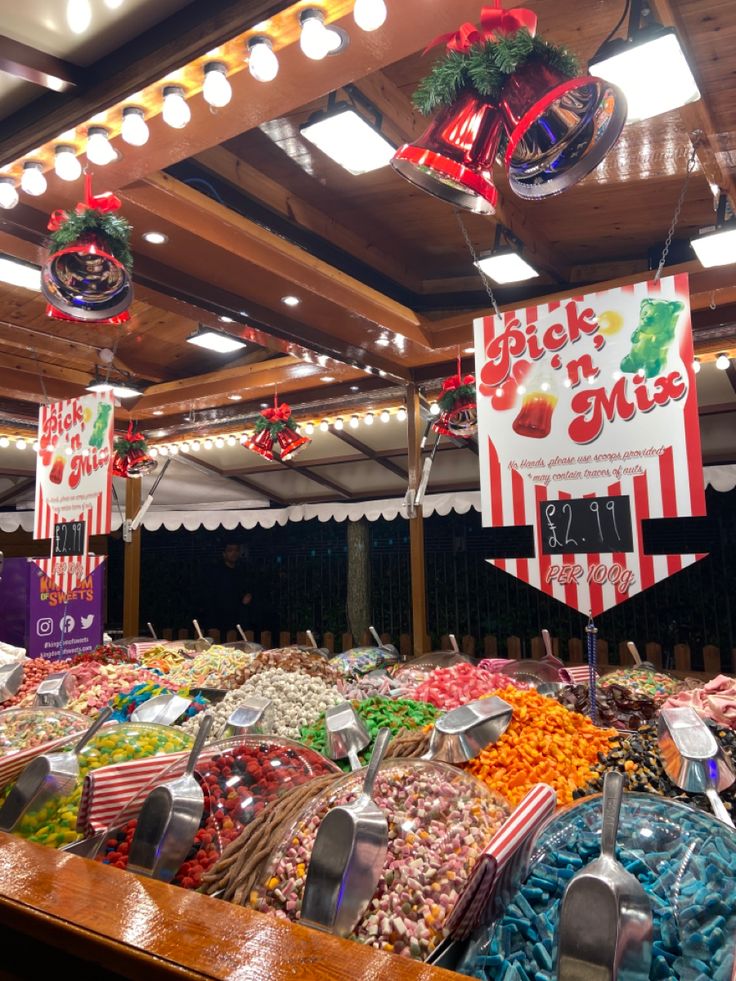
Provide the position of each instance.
(447, 688)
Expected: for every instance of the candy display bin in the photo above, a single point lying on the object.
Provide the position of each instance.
(25, 728)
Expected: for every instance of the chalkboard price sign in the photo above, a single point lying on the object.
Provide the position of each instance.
(69, 538)
(586, 524)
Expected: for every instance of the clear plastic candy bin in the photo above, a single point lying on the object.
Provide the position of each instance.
(239, 777)
(684, 858)
(24, 728)
(440, 820)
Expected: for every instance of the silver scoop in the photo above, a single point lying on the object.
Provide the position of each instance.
(636, 656)
(11, 678)
(254, 714)
(47, 776)
(162, 709)
(169, 819)
(55, 690)
(692, 757)
(462, 733)
(348, 856)
(606, 916)
(346, 734)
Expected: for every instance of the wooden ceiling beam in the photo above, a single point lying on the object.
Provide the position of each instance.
(43, 367)
(31, 387)
(31, 65)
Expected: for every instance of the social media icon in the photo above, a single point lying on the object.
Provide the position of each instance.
(88, 621)
(67, 624)
(44, 627)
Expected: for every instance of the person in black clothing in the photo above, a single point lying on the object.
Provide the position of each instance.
(231, 597)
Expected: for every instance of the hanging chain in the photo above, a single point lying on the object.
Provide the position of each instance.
(474, 254)
(676, 215)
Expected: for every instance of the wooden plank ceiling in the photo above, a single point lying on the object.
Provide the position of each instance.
(252, 212)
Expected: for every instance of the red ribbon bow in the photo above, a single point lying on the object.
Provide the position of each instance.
(279, 413)
(493, 21)
(105, 202)
(455, 381)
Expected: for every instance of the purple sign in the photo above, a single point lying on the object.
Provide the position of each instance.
(47, 621)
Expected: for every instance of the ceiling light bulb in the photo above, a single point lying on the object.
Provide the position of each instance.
(208, 444)
(32, 180)
(435, 408)
(231, 441)
(153, 451)
(66, 164)
(163, 450)
(35, 446)
(723, 361)
(369, 14)
(155, 238)
(339, 424)
(368, 420)
(4, 442)
(401, 414)
(354, 422)
(290, 301)
(716, 248)
(385, 415)
(184, 447)
(174, 449)
(215, 340)
(324, 425)
(8, 193)
(176, 112)
(315, 40)
(20, 444)
(262, 61)
(506, 267)
(196, 445)
(99, 149)
(219, 442)
(78, 15)
(234, 397)
(309, 428)
(696, 366)
(217, 90)
(135, 128)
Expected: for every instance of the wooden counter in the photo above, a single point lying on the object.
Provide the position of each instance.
(62, 915)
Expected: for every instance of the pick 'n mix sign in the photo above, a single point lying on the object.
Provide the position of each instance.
(588, 427)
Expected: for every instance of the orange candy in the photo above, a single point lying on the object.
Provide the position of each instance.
(545, 743)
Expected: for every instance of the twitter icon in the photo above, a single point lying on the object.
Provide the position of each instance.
(88, 621)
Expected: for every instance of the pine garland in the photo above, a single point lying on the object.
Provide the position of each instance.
(113, 231)
(124, 445)
(457, 396)
(485, 68)
(274, 426)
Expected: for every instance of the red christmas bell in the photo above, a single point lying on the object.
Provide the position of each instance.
(291, 442)
(140, 463)
(119, 465)
(261, 443)
(83, 282)
(453, 159)
(559, 129)
(461, 421)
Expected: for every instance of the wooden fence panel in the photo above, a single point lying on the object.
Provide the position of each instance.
(513, 648)
(328, 641)
(167, 634)
(301, 638)
(653, 653)
(266, 640)
(347, 641)
(467, 645)
(490, 646)
(683, 659)
(602, 652)
(536, 645)
(575, 650)
(284, 638)
(405, 645)
(712, 659)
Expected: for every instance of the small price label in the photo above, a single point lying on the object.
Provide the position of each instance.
(598, 524)
(69, 538)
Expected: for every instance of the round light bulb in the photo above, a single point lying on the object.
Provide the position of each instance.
(696, 366)
(369, 14)
(217, 91)
(385, 415)
(315, 40)
(4, 442)
(135, 128)
(262, 61)
(164, 450)
(309, 428)
(434, 408)
(195, 445)
(401, 414)
(339, 424)
(324, 425)
(35, 445)
(8, 193)
(176, 112)
(354, 422)
(20, 444)
(184, 447)
(99, 149)
(219, 442)
(78, 15)
(368, 419)
(231, 441)
(66, 164)
(208, 444)
(723, 361)
(153, 451)
(32, 180)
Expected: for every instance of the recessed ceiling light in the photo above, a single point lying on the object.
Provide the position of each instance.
(19, 274)
(226, 320)
(215, 340)
(327, 378)
(264, 405)
(234, 397)
(155, 238)
(126, 390)
(158, 412)
(291, 301)
(468, 350)
(349, 139)
(355, 388)
(505, 266)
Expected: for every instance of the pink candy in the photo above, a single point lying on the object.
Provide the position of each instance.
(715, 700)
(449, 687)
(98, 683)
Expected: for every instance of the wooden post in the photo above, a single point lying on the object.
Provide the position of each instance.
(358, 605)
(415, 429)
(132, 564)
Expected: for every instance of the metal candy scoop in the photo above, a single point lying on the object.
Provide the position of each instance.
(55, 690)
(693, 758)
(46, 776)
(348, 856)
(605, 916)
(169, 819)
(11, 678)
(254, 714)
(346, 734)
(162, 709)
(634, 651)
(460, 734)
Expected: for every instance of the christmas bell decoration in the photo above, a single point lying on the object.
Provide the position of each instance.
(502, 89)
(86, 276)
(130, 455)
(273, 424)
(458, 407)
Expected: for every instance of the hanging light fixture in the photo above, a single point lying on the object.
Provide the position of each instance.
(17, 273)
(369, 14)
(346, 136)
(98, 384)
(216, 91)
(99, 149)
(8, 193)
(66, 164)
(176, 111)
(126, 390)
(648, 65)
(718, 247)
(504, 263)
(33, 180)
(216, 340)
(135, 128)
(316, 39)
(263, 64)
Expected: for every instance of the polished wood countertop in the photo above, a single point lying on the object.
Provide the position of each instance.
(60, 911)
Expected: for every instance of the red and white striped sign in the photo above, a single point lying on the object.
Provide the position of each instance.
(66, 573)
(592, 397)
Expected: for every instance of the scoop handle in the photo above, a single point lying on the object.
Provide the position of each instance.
(718, 807)
(547, 640)
(197, 627)
(93, 729)
(632, 648)
(379, 751)
(202, 732)
(613, 791)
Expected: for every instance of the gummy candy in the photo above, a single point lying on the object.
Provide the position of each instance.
(100, 426)
(651, 340)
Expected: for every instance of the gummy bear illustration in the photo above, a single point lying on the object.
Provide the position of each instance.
(651, 340)
(100, 426)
